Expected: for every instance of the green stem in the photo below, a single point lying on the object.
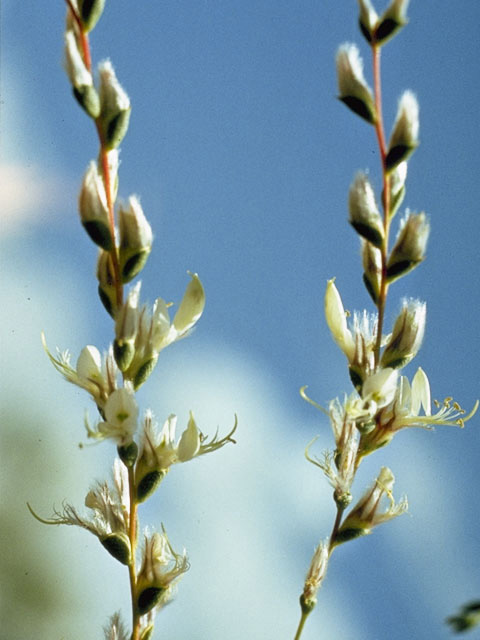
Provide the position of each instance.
(301, 624)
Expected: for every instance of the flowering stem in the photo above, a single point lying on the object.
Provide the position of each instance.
(104, 160)
(132, 534)
(379, 130)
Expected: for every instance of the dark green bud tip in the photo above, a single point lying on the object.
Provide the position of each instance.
(107, 300)
(369, 233)
(118, 547)
(87, 98)
(90, 12)
(144, 372)
(398, 269)
(99, 232)
(396, 155)
(149, 483)
(116, 128)
(134, 265)
(123, 353)
(356, 378)
(149, 598)
(128, 453)
(387, 29)
(350, 533)
(360, 107)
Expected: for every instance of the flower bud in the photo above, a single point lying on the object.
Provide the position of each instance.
(397, 187)
(90, 12)
(410, 245)
(160, 568)
(353, 88)
(404, 138)
(126, 326)
(191, 307)
(364, 215)
(392, 20)
(80, 77)
(407, 335)
(106, 282)
(92, 205)
(368, 19)
(366, 514)
(135, 239)
(372, 269)
(115, 107)
(337, 322)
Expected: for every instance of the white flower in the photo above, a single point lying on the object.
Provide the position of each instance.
(367, 513)
(98, 378)
(161, 568)
(412, 407)
(121, 412)
(160, 451)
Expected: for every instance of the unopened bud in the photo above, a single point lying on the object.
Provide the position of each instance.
(126, 326)
(135, 239)
(92, 205)
(80, 77)
(404, 138)
(368, 19)
(90, 12)
(393, 19)
(397, 187)
(364, 215)
(353, 88)
(106, 281)
(410, 245)
(115, 107)
(372, 269)
(407, 335)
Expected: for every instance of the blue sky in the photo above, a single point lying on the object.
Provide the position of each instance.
(242, 157)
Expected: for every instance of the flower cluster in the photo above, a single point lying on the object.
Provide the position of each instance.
(124, 239)
(383, 400)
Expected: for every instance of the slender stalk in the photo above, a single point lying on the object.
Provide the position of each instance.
(132, 534)
(87, 58)
(301, 624)
(379, 130)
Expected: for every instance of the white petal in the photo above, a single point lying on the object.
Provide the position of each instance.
(421, 393)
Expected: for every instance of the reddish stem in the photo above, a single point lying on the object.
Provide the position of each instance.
(104, 160)
(379, 130)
